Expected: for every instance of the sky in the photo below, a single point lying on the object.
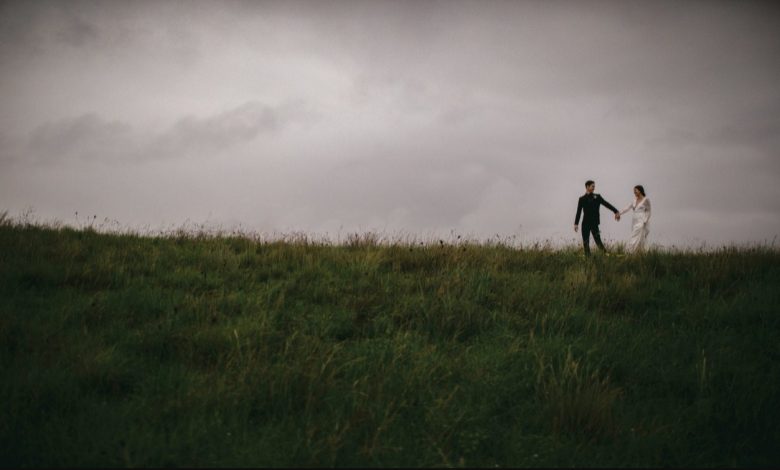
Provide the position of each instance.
(425, 118)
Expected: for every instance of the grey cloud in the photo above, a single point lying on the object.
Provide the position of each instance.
(751, 137)
(86, 137)
(92, 138)
(742, 141)
(78, 33)
(106, 29)
(218, 133)
(437, 180)
(33, 27)
(623, 109)
(758, 127)
(628, 48)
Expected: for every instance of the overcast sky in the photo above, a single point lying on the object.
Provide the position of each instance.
(419, 117)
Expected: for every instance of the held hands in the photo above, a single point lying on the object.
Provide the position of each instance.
(617, 216)
(576, 228)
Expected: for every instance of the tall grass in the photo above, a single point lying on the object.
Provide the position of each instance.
(125, 350)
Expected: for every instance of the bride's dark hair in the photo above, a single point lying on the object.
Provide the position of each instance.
(641, 189)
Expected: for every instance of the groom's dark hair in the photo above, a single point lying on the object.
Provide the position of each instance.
(589, 182)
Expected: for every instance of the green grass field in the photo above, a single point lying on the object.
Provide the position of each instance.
(122, 350)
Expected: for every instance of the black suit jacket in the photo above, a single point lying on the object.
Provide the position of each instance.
(590, 204)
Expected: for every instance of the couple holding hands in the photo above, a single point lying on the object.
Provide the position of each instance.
(589, 205)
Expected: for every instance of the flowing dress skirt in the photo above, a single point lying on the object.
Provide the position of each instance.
(639, 230)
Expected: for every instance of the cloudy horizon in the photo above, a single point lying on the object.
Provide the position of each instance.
(427, 117)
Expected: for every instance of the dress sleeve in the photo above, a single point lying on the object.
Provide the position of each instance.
(628, 208)
(647, 209)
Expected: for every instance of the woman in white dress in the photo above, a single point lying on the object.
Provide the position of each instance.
(640, 222)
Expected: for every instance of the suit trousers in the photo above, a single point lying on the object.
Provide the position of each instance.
(586, 231)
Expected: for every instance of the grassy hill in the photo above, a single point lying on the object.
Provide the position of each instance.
(123, 350)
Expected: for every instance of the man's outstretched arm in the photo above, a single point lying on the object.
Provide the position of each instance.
(608, 205)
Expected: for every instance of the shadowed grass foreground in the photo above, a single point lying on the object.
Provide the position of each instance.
(122, 350)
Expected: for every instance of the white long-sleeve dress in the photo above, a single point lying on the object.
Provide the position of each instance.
(640, 224)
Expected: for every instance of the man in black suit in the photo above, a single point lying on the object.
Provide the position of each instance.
(590, 203)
